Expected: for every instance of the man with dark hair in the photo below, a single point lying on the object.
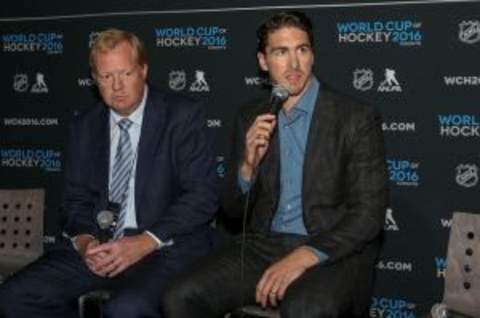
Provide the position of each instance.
(145, 153)
(314, 181)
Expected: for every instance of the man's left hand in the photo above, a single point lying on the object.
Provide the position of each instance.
(120, 254)
(276, 279)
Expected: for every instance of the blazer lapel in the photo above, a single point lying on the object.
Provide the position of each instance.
(152, 128)
(317, 136)
(270, 167)
(101, 153)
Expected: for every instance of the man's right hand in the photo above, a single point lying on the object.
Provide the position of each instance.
(256, 144)
(84, 243)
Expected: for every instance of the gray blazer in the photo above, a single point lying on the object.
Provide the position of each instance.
(344, 177)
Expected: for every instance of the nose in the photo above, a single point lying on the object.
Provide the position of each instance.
(294, 61)
(117, 83)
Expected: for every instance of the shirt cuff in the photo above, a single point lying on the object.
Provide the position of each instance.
(73, 240)
(160, 244)
(243, 184)
(322, 257)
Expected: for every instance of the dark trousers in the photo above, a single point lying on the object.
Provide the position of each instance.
(50, 286)
(216, 285)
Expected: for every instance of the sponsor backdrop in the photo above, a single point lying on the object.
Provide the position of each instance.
(415, 62)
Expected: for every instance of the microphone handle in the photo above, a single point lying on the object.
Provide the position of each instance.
(275, 106)
(103, 236)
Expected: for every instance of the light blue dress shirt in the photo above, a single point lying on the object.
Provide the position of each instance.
(293, 130)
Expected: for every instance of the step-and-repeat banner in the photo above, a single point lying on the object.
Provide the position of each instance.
(418, 63)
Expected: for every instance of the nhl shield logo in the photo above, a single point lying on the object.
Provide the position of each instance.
(467, 175)
(20, 83)
(469, 31)
(177, 80)
(363, 79)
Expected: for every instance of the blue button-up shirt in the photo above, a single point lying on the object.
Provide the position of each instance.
(293, 130)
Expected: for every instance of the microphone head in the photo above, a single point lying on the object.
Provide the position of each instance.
(105, 219)
(439, 311)
(280, 93)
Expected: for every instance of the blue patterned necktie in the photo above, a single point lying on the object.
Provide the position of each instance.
(121, 171)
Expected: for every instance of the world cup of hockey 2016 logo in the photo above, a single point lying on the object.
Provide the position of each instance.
(177, 80)
(467, 175)
(363, 79)
(469, 31)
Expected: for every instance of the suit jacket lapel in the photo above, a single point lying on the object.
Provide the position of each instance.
(271, 169)
(152, 128)
(101, 152)
(317, 136)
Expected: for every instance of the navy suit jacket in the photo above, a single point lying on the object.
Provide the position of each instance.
(175, 183)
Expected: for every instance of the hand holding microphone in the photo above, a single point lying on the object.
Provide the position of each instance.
(260, 132)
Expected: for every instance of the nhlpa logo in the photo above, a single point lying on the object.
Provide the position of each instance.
(200, 84)
(363, 79)
(177, 80)
(390, 224)
(390, 83)
(469, 31)
(20, 83)
(40, 86)
(467, 175)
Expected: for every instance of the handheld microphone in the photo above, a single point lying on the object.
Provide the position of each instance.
(107, 221)
(439, 311)
(278, 96)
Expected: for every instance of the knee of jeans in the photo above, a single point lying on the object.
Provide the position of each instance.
(182, 293)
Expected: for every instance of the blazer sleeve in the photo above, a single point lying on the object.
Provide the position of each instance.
(365, 191)
(233, 198)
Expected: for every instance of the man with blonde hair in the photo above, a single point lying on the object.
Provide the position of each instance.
(143, 156)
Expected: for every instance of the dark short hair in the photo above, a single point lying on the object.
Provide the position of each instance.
(280, 20)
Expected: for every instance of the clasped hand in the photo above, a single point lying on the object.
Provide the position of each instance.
(111, 258)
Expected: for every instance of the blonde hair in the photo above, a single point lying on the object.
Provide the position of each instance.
(110, 38)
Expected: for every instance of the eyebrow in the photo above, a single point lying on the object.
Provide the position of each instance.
(283, 47)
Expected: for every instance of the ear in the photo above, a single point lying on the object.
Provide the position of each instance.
(145, 71)
(262, 61)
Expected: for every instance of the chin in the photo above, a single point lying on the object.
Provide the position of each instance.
(295, 91)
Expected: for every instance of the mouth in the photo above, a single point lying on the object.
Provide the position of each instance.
(119, 97)
(294, 77)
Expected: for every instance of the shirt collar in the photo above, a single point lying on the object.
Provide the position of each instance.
(306, 103)
(137, 116)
